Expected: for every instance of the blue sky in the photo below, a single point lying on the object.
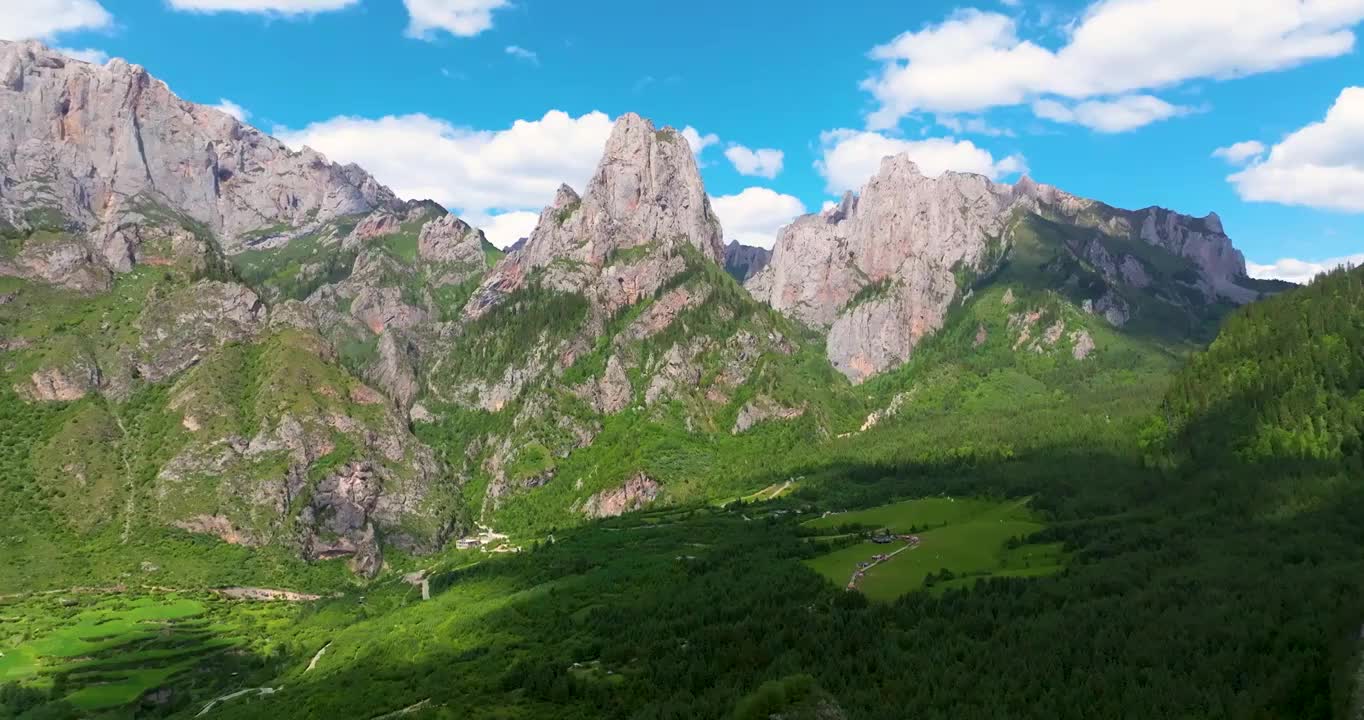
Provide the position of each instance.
(1119, 100)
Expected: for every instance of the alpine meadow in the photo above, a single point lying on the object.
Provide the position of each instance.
(361, 417)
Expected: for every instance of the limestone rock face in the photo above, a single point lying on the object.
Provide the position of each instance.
(906, 234)
(644, 204)
(78, 139)
(610, 393)
(881, 269)
(395, 372)
(1202, 241)
(635, 494)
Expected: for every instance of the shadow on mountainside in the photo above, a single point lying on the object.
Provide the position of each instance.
(1176, 602)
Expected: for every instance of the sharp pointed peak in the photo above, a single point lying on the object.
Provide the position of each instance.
(899, 163)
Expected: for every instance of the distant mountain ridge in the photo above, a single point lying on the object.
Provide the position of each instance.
(745, 261)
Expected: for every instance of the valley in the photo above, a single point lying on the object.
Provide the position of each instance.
(973, 448)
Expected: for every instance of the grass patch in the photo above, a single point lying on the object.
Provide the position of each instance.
(960, 541)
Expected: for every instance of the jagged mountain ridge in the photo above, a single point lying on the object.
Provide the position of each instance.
(104, 150)
(430, 379)
(250, 302)
(880, 270)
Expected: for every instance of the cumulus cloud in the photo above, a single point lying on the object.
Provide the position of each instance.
(44, 19)
(521, 53)
(754, 215)
(975, 60)
(461, 18)
(233, 109)
(1319, 166)
(1240, 153)
(1300, 271)
(504, 229)
(1122, 114)
(273, 7)
(850, 157)
(698, 141)
(90, 55)
(763, 162)
(481, 173)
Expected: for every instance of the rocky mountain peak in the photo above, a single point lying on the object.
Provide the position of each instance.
(881, 269)
(81, 141)
(564, 197)
(645, 201)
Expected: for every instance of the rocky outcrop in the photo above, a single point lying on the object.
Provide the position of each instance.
(381, 308)
(81, 141)
(635, 494)
(880, 270)
(329, 468)
(745, 261)
(72, 381)
(610, 393)
(451, 240)
(396, 371)
(762, 409)
(176, 331)
(63, 261)
(1082, 344)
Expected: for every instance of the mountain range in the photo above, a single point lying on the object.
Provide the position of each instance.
(276, 351)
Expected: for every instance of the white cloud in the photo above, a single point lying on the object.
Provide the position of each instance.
(521, 53)
(828, 205)
(274, 7)
(1320, 165)
(1121, 114)
(475, 171)
(698, 141)
(504, 229)
(851, 157)
(94, 56)
(44, 19)
(1300, 271)
(461, 18)
(754, 216)
(233, 109)
(763, 162)
(975, 60)
(1240, 153)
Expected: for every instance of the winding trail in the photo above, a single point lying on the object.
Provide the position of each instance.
(313, 663)
(405, 711)
(859, 573)
(234, 696)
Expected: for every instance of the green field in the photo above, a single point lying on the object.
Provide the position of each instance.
(967, 537)
(103, 651)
